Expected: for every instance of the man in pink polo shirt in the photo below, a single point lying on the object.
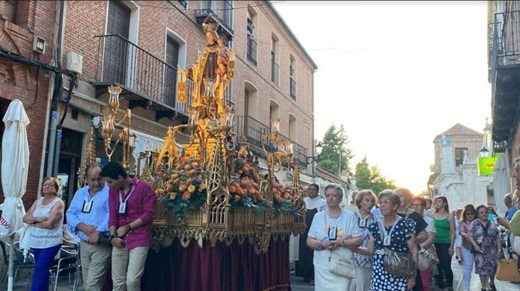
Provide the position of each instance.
(131, 204)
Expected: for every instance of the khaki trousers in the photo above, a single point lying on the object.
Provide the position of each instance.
(95, 260)
(128, 268)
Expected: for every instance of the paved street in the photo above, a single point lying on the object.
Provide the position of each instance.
(298, 285)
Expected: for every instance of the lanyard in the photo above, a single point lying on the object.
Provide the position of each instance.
(383, 229)
(127, 196)
(363, 222)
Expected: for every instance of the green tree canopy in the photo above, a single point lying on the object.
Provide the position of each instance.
(335, 152)
(370, 177)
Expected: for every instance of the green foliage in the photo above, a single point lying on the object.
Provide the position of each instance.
(370, 177)
(335, 151)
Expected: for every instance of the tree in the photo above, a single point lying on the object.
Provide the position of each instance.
(370, 177)
(335, 152)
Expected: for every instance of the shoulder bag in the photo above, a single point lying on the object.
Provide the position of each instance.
(340, 265)
(508, 270)
(397, 264)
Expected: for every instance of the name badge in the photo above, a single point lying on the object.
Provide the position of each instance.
(87, 206)
(386, 241)
(333, 233)
(362, 222)
(122, 208)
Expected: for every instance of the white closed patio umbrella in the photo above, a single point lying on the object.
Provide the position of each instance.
(15, 166)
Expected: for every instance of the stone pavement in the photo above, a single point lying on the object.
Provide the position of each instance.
(458, 285)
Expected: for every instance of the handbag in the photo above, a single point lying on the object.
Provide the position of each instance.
(397, 264)
(341, 266)
(508, 271)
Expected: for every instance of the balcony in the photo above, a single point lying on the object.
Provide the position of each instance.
(146, 80)
(253, 130)
(208, 15)
(251, 50)
(504, 73)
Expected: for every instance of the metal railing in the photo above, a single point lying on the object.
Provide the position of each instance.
(253, 130)
(121, 61)
(505, 49)
(251, 50)
(292, 89)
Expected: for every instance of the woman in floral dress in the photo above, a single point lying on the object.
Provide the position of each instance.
(485, 239)
(402, 240)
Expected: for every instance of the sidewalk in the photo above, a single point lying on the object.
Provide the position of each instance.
(458, 284)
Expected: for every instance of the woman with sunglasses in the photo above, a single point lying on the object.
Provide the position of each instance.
(468, 215)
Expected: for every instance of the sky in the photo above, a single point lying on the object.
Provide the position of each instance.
(403, 73)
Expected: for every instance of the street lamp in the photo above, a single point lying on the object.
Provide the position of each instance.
(484, 152)
(318, 149)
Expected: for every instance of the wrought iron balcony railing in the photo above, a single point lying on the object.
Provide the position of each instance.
(251, 50)
(505, 49)
(253, 130)
(122, 62)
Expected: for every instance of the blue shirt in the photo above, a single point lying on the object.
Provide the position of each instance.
(98, 215)
(510, 212)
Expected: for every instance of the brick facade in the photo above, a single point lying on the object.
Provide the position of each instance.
(87, 19)
(20, 81)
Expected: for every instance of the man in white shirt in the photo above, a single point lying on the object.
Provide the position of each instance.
(314, 204)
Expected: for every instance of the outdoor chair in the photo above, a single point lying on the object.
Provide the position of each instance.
(68, 263)
(20, 263)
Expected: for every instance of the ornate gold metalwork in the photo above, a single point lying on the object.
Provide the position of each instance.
(212, 139)
(109, 124)
(89, 159)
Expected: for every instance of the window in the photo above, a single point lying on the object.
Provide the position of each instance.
(275, 68)
(170, 82)
(10, 10)
(251, 32)
(116, 46)
(292, 78)
(184, 3)
(228, 13)
(292, 127)
(208, 4)
(459, 156)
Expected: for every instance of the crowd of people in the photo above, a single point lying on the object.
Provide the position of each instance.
(425, 230)
(112, 217)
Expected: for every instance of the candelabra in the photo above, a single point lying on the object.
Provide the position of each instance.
(109, 124)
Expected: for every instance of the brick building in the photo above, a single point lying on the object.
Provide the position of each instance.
(23, 78)
(139, 45)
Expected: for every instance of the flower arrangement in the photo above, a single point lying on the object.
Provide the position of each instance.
(284, 196)
(244, 186)
(183, 188)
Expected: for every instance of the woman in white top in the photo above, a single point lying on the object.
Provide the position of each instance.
(46, 235)
(335, 230)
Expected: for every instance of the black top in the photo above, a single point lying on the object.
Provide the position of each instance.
(420, 223)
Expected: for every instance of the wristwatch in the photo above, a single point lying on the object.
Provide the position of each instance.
(111, 237)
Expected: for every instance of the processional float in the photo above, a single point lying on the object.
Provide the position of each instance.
(210, 188)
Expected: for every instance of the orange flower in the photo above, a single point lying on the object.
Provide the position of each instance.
(186, 195)
(259, 197)
(173, 195)
(182, 187)
(189, 180)
(240, 191)
(202, 186)
(169, 187)
(287, 195)
(187, 167)
(177, 181)
(159, 192)
(194, 164)
(232, 189)
(245, 181)
(191, 188)
(192, 172)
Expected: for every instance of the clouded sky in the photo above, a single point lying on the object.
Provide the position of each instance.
(404, 72)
